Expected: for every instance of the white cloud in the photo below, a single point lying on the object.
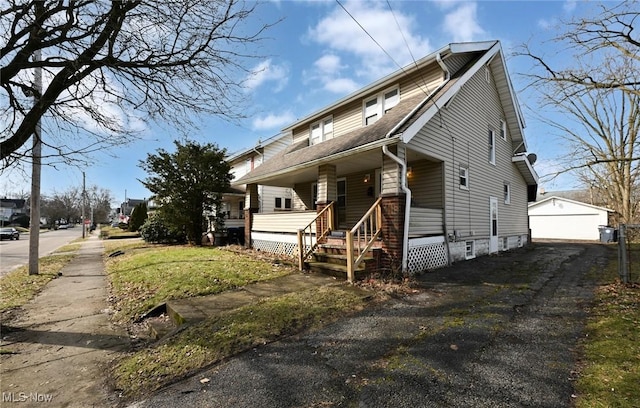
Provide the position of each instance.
(267, 71)
(547, 23)
(341, 86)
(273, 121)
(329, 64)
(569, 6)
(462, 23)
(327, 74)
(341, 34)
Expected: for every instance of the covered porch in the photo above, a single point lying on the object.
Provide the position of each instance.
(357, 201)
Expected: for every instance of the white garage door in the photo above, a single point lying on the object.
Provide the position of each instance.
(583, 227)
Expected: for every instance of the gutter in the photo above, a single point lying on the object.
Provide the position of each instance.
(403, 164)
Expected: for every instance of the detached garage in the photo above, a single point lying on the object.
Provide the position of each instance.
(561, 218)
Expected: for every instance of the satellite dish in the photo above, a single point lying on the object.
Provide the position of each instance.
(532, 157)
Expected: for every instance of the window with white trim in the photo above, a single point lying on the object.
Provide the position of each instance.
(470, 249)
(464, 177)
(378, 105)
(507, 193)
(279, 201)
(503, 130)
(492, 147)
(321, 130)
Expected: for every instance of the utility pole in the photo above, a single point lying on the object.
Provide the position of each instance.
(84, 195)
(36, 174)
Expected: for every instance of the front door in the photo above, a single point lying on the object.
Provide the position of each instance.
(493, 225)
(341, 208)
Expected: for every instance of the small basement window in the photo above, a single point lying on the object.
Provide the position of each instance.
(470, 249)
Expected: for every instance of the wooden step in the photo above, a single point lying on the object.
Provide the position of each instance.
(339, 259)
(339, 271)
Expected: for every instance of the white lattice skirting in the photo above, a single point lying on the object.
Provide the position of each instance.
(427, 253)
(281, 244)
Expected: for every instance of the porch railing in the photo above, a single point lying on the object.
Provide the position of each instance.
(323, 225)
(362, 237)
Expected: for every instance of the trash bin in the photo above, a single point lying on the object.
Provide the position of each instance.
(236, 235)
(607, 234)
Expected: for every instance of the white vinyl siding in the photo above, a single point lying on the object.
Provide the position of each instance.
(459, 135)
(281, 222)
(426, 185)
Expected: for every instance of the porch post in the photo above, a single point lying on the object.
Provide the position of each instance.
(251, 207)
(327, 192)
(393, 208)
(327, 184)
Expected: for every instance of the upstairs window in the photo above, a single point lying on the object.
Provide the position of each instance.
(503, 130)
(464, 178)
(322, 130)
(380, 104)
(507, 193)
(492, 147)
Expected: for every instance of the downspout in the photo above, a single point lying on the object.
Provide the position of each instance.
(403, 164)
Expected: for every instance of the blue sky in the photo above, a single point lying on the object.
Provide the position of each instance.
(318, 54)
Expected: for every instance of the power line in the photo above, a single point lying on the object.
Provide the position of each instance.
(385, 51)
(370, 36)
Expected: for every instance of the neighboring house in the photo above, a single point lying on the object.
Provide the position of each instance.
(126, 208)
(270, 198)
(423, 167)
(562, 218)
(10, 208)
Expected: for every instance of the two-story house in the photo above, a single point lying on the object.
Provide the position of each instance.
(269, 198)
(421, 168)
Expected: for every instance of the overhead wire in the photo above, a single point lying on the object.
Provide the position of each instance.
(419, 86)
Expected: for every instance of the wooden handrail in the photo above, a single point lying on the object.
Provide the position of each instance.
(326, 226)
(366, 231)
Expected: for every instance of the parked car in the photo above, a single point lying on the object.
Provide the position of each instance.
(9, 233)
(63, 226)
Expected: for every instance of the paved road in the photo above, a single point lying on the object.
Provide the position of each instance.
(16, 253)
(497, 331)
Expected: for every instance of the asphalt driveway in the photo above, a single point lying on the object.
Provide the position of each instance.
(498, 331)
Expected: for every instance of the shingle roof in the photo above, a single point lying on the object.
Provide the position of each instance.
(301, 155)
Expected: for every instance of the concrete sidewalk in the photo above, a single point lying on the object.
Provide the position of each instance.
(63, 340)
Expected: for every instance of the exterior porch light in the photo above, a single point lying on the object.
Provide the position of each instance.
(409, 172)
(367, 178)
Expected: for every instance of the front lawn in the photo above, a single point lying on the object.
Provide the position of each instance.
(146, 275)
(610, 376)
(206, 343)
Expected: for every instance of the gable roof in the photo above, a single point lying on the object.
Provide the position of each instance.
(260, 145)
(492, 57)
(595, 207)
(401, 123)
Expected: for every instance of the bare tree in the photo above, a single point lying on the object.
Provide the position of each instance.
(596, 44)
(99, 200)
(110, 66)
(593, 103)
